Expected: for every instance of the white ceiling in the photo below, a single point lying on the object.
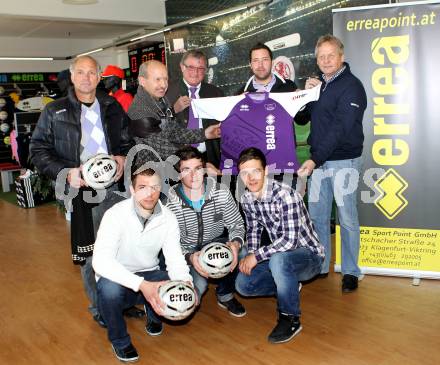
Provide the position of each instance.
(59, 29)
(12, 26)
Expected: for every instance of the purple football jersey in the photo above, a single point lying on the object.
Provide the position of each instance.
(261, 120)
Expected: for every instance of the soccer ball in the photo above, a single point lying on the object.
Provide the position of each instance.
(3, 115)
(179, 299)
(216, 259)
(2, 102)
(99, 171)
(2, 90)
(4, 127)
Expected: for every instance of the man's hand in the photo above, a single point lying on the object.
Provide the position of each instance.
(197, 299)
(306, 169)
(74, 178)
(235, 248)
(247, 264)
(150, 290)
(311, 82)
(213, 131)
(182, 103)
(211, 170)
(120, 161)
(194, 259)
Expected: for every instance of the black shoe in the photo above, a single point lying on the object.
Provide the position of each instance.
(154, 328)
(98, 318)
(127, 354)
(134, 312)
(234, 307)
(286, 328)
(349, 283)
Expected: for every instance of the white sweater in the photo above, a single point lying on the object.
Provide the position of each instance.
(123, 246)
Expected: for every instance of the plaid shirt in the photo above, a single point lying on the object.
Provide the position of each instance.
(283, 213)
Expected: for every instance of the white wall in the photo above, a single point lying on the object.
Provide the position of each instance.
(114, 57)
(113, 11)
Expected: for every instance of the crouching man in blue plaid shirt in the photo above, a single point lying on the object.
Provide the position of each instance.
(295, 253)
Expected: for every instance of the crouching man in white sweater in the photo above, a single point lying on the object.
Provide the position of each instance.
(126, 263)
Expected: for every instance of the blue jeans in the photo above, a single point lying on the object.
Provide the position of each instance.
(279, 276)
(89, 283)
(338, 180)
(87, 272)
(114, 298)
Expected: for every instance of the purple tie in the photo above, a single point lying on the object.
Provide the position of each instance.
(193, 122)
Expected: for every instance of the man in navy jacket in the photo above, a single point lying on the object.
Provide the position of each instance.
(336, 140)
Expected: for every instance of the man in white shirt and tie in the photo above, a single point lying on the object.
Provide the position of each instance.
(194, 65)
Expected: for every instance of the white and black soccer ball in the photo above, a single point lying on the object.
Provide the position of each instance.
(3, 115)
(2, 102)
(99, 171)
(4, 127)
(179, 299)
(216, 259)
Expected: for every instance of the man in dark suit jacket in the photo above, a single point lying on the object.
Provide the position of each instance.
(263, 79)
(194, 65)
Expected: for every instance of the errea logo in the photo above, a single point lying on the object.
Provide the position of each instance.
(270, 133)
(244, 108)
(269, 107)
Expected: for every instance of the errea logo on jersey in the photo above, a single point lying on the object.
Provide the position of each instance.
(270, 132)
(269, 107)
(298, 96)
(244, 108)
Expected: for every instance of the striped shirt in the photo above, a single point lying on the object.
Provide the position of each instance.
(283, 213)
(219, 211)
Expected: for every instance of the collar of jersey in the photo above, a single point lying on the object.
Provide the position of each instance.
(258, 97)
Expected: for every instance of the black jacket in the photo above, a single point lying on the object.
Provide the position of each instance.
(179, 88)
(55, 142)
(281, 86)
(336, 131)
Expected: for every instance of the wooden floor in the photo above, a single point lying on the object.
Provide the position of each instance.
(44, 318)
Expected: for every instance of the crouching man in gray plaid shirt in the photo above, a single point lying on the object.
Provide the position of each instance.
(295, 253)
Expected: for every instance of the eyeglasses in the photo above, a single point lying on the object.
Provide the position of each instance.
(195, 69)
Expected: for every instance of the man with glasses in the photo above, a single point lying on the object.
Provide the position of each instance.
(192, 86)
(152, 119)
(126, 259)
(294, 253)
(204, 209)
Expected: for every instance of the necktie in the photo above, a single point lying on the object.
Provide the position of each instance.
(193, 122)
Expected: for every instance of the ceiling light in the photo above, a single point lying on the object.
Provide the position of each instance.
(150, 34)
(90, 52)
(26, 58)
(80, 2)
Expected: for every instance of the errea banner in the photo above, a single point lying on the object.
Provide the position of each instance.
(393, 50)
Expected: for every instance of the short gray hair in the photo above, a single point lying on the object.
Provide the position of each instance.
(328, 38)
(143, 68)
(77, 59)
(196, 54)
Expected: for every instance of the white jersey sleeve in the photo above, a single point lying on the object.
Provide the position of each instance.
(215, 108)
(294, 101)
